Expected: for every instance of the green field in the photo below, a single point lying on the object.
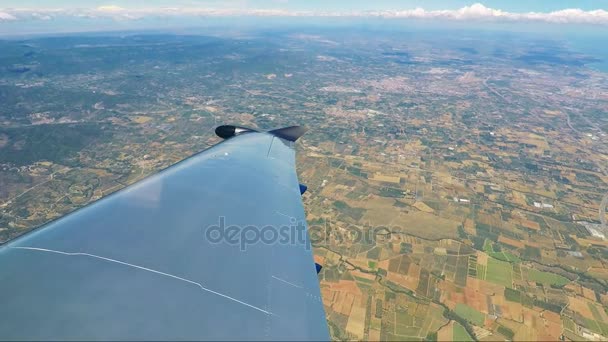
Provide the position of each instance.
(506, 256)
(407, 331)
(569, 324)
(512, 295)
(481, 272)
(597, 324)
(546, 277)
(460, 334)
(364, 280)
(499, 272)
(470, 314)
(595, 312)
(516, 272)
(403, 318)
(405, 325)
(506, 332)
(488, 247)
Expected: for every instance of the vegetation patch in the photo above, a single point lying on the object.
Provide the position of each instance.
(460, 333)
(546, 278)
(499, 272)
(55, 143)
(470, 314)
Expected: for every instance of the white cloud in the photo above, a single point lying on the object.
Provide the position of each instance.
(110, 8)
(578, 16)
(475, 12)
(41, 16)
(483, 13)
(6, 17)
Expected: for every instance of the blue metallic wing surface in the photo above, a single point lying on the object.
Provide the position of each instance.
(147, 262)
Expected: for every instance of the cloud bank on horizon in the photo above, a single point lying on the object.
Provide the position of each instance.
(476, 12)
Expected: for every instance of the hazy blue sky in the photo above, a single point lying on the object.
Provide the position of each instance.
(41, 16)
(329, 5)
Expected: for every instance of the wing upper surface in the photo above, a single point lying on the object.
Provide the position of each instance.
(140, 263)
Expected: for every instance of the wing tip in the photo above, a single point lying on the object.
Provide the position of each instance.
(291, 133)
(229, 131)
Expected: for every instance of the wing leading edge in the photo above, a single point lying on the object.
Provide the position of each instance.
(142, 263)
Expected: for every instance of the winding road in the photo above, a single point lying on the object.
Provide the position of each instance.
(603, 217)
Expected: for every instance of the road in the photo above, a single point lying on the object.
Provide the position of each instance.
(570, 123)
(603, 217)
(485, 83)
(50, 178)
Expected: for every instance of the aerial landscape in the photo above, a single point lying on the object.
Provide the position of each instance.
(457, 180)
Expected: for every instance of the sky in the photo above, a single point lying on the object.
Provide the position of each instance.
(39, 16)
(320, 5)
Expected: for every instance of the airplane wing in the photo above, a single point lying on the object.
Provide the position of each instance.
(212, 248)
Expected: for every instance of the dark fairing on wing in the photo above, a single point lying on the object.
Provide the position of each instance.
(289, 133)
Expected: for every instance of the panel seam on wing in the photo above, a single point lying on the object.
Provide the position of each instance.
(286, 282)
(270, 147)
(144, 269)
